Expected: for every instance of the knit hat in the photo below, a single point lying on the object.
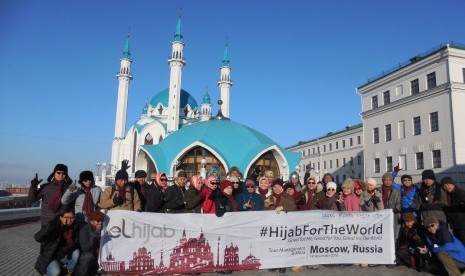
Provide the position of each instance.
(194, 179)
(348, 183)
(409, 217)
(181, 173)
(447, 180)
(288, 185)
(140, 173)
(249, 182)
(430, 220)
(86, 175)
(224, 184)
(387, 175)
(96, 215)
(372, 181)
(269, 173)
(278, 181)
(121, 174)
(233, 179)
(330, 185)
(428, 174)
(405, 176)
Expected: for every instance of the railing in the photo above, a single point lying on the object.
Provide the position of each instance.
(10, 217)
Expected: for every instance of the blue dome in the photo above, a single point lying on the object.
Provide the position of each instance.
(162, 97)
(236, 144)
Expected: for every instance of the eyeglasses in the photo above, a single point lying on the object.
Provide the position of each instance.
(331, 189)
(60, 173)
(163, 179)
(214, 183)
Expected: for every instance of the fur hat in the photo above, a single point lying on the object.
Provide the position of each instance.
(224, 184)
(372, 181)
(278, 181)
(288, 185)
(96, 215)
(348, 183)
(409, 217)
(86, 175)
(181, 173)
(428, 174)
(405, 176)
(430, 220)
(269, 173)
(58, 167)
(140, 173)
(121, 174)
(387, 175)
(331, 185)
(447, 180)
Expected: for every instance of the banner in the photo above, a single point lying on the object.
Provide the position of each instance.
(153, 243)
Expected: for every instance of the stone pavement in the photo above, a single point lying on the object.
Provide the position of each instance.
(18, 253)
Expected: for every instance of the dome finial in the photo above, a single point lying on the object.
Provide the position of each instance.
(178, 34)
(225, 61)
(220, 115)
(126, 52)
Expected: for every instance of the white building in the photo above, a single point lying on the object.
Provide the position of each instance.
(413, 116)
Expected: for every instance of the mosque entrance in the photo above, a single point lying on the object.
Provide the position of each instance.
(191, 162)
(265, 162)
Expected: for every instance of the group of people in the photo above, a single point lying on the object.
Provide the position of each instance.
(429, 217)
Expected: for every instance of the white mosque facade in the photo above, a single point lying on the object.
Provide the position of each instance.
(174, 132)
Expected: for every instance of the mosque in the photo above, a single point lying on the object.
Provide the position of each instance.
(175, 133)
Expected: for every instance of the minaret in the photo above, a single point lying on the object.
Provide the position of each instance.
(206, 107)
(225, 82)
(124, 77)
(176, 63)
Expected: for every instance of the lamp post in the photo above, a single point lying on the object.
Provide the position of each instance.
(98, 165)
(203, 171)
(284, 174)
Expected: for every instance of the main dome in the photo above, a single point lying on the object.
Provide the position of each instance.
(162, 98)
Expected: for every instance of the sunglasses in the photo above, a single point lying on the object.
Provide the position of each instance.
(163, 179)
(60, 173)
(235, 182)
(250, 186)
(311, 182)
(331, 189)
(431, 225)
(214, 183)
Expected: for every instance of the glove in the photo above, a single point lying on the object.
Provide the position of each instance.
(279, 209)
(68, 180)
(35, 181)
(124, 164)
(376, 199)
(117, 200)
(397, 168)
(72, 187)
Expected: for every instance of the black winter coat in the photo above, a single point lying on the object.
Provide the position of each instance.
(155, 199)
(455, 209)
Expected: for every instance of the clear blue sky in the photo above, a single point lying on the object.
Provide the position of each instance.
(295, 66)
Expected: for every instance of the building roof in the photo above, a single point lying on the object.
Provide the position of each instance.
(347, 128)
(162, 97)
(235, 144)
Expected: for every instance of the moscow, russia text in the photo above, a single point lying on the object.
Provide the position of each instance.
(284, 232)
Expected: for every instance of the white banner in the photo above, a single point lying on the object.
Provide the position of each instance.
(152, 243)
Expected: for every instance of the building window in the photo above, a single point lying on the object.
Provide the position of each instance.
(359, 140)
(436, 158)
(351, 141)
(330, 164)
(374, 102)
(416, 126)
(337, 178)
(318, 165)
(324, 165)
(399, 90)
(414, 87)
(337, 163)
(330, 146)
(419, 160)
(324, 148)
(389, 164)
(344, 162)
(343, 144)
(375, 135)
(403, 162)
(377, 168)
(337, 145)
(313, 150)
(387, 129)
(434, 121)
(401, 129)
(351, 161)
(386, 97)
(463, 73)
(359, 160)
(431, 80)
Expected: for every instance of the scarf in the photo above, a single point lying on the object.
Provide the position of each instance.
(310, 195)
(386, 191)
(122, 193)
(55, 203)
(87, 207)
(277, 199)
(143, 191)
(68, 236)
(232, 201)
(262, 193)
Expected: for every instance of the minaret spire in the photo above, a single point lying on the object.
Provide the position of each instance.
(225, 82)
(124, 76)
(176, 62)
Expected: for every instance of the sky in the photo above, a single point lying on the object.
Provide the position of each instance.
(295, 66)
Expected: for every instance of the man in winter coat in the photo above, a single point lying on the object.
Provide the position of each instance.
(50, 192)
(121, 196)
(59, 240)
(89, 239)
(455, 208)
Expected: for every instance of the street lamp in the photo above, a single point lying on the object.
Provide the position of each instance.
(203, 171)
(284, 174)
(98, 165)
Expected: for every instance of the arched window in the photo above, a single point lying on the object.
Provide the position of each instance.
(190, 162)
(266, 161)
(148, 139)
(186, 111)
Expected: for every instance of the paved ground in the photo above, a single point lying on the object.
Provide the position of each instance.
(18, 253)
